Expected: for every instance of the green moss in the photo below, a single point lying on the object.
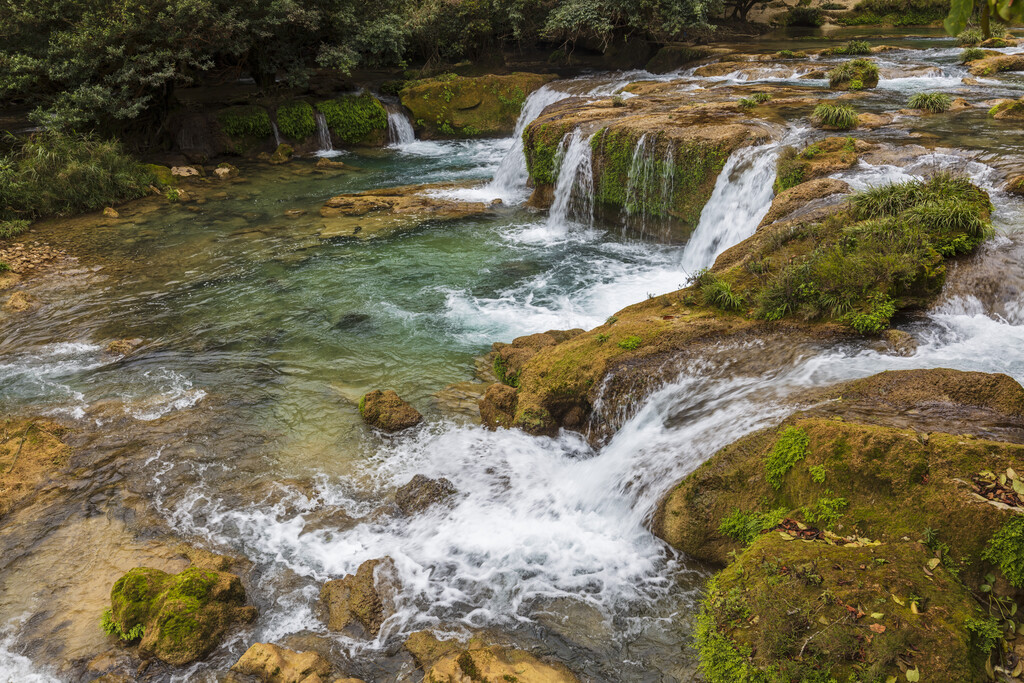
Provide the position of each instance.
(246, 122)
(693, 167)
(817, 473)
(502, 372)
(825, 512)
(355, 119)
(541, 147)
(787, 451)
(162, 175)
(296, 120)
(362, 404)
(1006, 550)
(469, 668)
(722, 660)
(744, 527)
(113, 628)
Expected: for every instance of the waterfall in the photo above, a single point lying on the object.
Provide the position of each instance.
(510, 179)
(742, 196)
(574, 187)
(277, 133)
(400, 132)
(644, 195)
(323, 135)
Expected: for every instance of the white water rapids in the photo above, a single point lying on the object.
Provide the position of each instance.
(540, 523)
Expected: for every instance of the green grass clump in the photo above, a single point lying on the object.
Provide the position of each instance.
(296, 120)
(935, 102)
(856, 74)
(854, 47)
(840, 116)
(754, 100)
(790, 448)
(355, 118)
(971, 54)
(246, 122)
(969, 37)
(4, 266)
(744, 527)
(1006, 550)
(57, 174)
(717, 292)
(630, 343)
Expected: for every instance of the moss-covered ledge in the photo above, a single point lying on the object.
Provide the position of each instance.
(857, 540)
(819, 278)
(452, 106)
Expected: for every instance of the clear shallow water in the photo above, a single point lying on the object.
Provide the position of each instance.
(259, 338)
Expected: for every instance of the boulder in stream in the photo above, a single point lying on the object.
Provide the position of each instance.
(386, 411)
(178, 618)
(422, 492)
(273, 664)
(365, 598)
(449, 661)
(852, 532)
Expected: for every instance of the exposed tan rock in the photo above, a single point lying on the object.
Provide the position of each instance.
(20, 302)
(294, 213)
(1015, 185)
(366, 598)
(273, 664)
(111, 212)
(989, 66)
(386, 411)
(870, 120)
(185, 171)
(378, 213)
(797, 197)
(479, 663)
(426, 649)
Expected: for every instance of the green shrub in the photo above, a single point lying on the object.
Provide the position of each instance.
(840, 116)
(935, 102)
(803, 16)
(985, 634)
(896, 12)
(971, 54)
(56, 174)
(355, 118)
(630, 343)
(880, 311)
(249, 121)
(862, 71)
(1006, 550)
(296, 120)
(744, 527)
(969, 37)
(790, 448)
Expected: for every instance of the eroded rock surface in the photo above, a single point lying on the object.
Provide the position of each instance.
(386, 411)
(365, 598)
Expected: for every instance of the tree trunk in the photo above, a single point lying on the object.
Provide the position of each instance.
(986, 27)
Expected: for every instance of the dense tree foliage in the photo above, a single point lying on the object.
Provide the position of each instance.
(89, 64)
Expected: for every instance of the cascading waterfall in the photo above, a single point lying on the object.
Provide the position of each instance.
(323, 136)
(400, 131)
(574, 186)
(742, 196)
(277, 133)
(649, 184)
(510, 178)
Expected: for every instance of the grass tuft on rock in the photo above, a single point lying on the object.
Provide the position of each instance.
(972, 54)
(935, 102)
(855, 74)
(969, 37)
(839, 116)
(853, 47)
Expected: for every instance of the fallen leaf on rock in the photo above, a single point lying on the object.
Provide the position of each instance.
(877, 628)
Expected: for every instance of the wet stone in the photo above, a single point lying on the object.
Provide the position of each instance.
(422, 492)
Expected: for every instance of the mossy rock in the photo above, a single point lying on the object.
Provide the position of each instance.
(386, 411)
(177, 618)
(853, 534)
(296, 120)
(162, 176)
(994, 64)
(1012, 110)
(817, 160)
(245, 127)
(817, 277)
(452, 106)
(356, 120)
(792, 610)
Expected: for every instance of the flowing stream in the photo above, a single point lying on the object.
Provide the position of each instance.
(235, 425)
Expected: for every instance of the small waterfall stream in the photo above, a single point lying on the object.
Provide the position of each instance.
(400, 131)
(510, 178)
(277, 133)
(323, 136)
(574, 187)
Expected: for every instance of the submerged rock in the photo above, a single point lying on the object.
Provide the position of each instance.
(452, 106)
(365, 598)
(273, 664)
(177, 618)
(378, 213)
(864, 514)
(449, 661)
(225, 170)
(422, 492)
(122, 347)
(31, 449)
(282, 154)
(20, 302)
(386, 411)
